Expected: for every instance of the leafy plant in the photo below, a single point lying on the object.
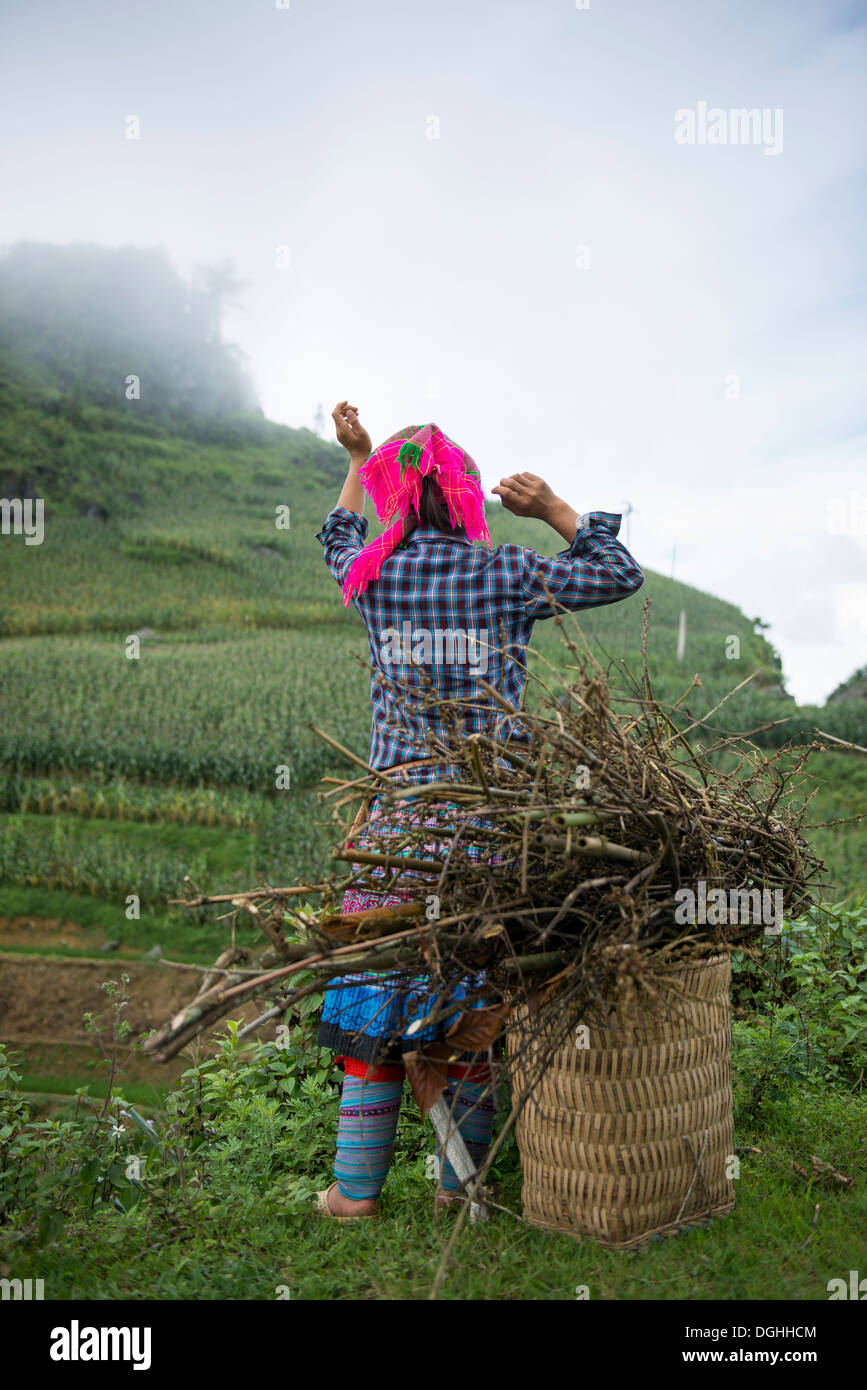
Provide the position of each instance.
(804, 1005)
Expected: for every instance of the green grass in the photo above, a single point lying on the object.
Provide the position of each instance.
(184, 937)
(64, 1086)
(243, 1246)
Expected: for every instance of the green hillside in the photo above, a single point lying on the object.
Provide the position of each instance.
(854, 688)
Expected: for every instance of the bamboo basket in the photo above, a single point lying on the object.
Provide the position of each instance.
(629, 1134)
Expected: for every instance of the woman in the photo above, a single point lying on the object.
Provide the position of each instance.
(442, 615)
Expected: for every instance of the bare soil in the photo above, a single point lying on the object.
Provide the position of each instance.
(45, 933)
(43, 1000)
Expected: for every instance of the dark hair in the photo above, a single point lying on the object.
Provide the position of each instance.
(433, 508)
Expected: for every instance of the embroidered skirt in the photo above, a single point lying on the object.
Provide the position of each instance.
(377, 1016)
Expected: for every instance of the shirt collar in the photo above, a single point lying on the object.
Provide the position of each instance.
(430, 533)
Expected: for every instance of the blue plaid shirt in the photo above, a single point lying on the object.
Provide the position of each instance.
(446, 612)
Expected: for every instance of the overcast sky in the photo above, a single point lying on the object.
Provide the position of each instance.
(493, 219)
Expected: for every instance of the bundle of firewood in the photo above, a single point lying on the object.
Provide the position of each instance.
(604, 841)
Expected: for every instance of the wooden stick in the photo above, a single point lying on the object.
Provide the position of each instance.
(357, 856)
(457, 1154)
(251, 894)
(597, 847)
(353, 757)
(845, 742)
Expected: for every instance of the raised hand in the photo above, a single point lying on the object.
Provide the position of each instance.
(350, 432)
(526, 495)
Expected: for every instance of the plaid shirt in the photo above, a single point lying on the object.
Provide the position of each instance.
(444, 611)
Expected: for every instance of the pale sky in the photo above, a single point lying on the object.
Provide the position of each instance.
(435, 171)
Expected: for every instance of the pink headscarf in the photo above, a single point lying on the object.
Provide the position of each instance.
(393, 477)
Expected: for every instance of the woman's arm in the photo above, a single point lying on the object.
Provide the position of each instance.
(595, 570)
(355, 439)
(527, 495)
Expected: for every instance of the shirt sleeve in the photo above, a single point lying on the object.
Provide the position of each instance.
(595, 570)
(342, 537)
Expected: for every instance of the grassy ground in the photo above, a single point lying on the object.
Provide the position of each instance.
(240, 1243)
(54, 1092)
(183, 938)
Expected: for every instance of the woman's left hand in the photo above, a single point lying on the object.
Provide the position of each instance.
(350, 432)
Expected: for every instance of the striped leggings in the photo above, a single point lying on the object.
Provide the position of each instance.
(369, 1112)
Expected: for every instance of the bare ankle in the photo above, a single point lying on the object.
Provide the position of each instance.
(341, 1205)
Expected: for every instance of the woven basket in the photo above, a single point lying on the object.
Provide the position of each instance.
(629, 1135)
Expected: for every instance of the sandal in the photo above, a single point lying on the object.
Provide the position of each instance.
(448, 1199)
(324, 1209)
